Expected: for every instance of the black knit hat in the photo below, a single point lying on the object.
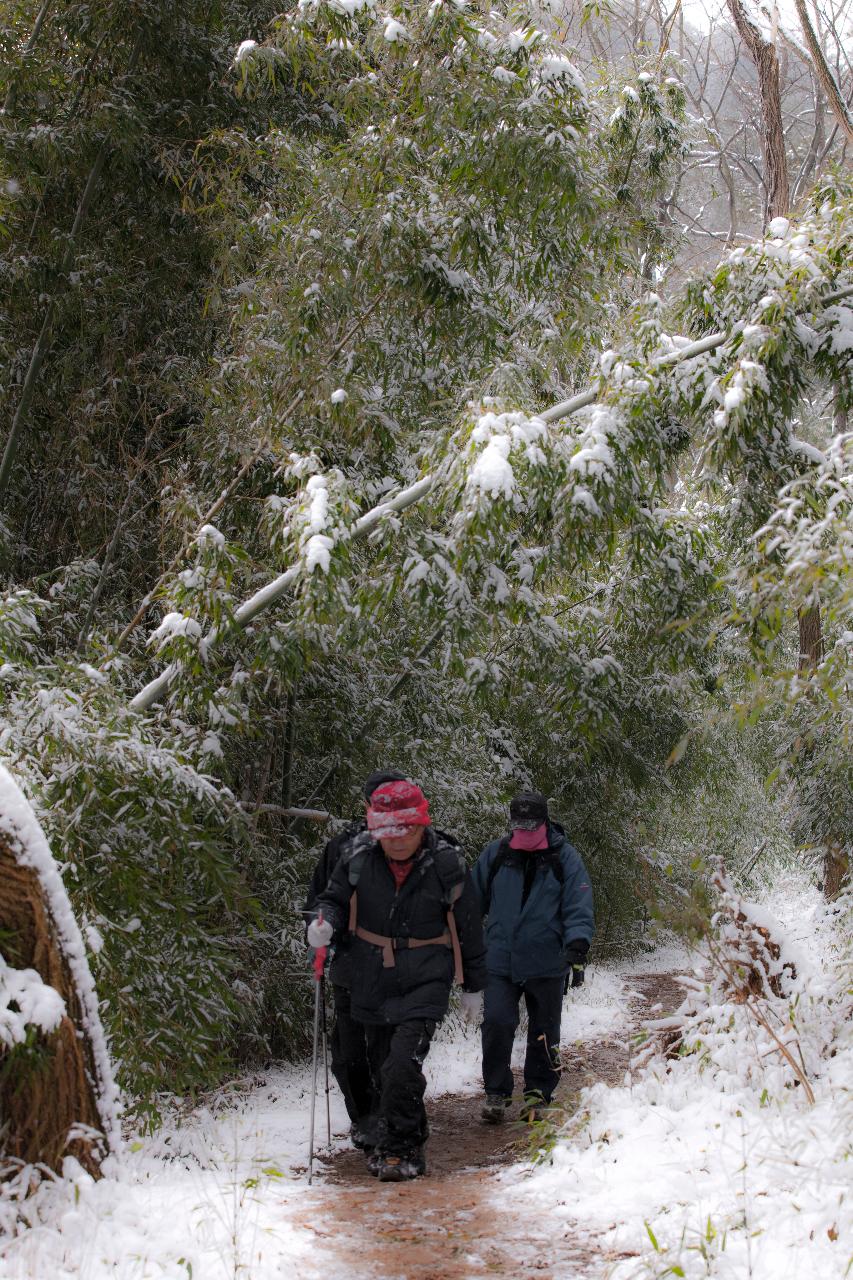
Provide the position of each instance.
(527, 810)
(376, 779)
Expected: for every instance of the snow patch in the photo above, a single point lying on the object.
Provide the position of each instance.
(779, 228)
(555, 68)
(593, 458)
(394, 31)
(318, 552)
(245, 50)
(318, 511)
(26, 1001)
(208, 533)
(492, 475)
(173, 626)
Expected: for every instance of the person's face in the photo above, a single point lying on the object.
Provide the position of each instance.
(399, 848)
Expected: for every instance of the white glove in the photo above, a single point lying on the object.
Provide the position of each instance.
(319, 933)
(471, 1005)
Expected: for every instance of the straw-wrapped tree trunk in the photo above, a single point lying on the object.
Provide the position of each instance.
(57, 1096)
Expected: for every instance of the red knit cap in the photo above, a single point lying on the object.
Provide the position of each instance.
(395, 808)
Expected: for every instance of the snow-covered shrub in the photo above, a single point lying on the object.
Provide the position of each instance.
(749, 966)
(726, 1151)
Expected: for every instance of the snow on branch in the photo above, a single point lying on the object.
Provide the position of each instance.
(773, 310)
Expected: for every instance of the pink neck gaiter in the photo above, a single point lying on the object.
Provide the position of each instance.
(529, 841)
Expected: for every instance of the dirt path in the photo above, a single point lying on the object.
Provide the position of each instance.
(446, 1226)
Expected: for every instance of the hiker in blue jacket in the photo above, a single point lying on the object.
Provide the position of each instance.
(536, 899)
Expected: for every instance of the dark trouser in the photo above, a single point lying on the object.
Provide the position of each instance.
(349, 1058)
(544, 1000)
(396, 1055)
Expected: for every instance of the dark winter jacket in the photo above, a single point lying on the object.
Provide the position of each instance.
(418, 984)
(340, 969)
(529, 941)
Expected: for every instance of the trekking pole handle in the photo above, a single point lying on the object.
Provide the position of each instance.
(320, 957)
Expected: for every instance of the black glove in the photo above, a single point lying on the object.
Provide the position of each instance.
(575, 956)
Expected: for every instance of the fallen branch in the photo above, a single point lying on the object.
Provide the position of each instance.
(273, 591)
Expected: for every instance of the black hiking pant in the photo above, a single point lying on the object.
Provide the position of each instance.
(349, 1059)
(544, 1000)
(396, 1055)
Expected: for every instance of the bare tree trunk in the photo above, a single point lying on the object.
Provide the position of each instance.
(808, 168)
(811, 639)
(731, 188)
(763, 54)
(836, 869)
(827, 80)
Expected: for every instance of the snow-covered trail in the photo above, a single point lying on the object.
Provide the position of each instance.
(710, 1165)
(221, 1191)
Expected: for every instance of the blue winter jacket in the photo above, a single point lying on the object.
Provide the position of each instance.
(530, 941)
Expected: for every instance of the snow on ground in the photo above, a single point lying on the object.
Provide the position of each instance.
(217, 1191)
(714, 1164)
(210, 1196)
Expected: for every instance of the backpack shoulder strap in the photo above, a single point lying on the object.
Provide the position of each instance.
(497, 862)
(354, 859)
(355, 856)
(451, 869)
(555, 862)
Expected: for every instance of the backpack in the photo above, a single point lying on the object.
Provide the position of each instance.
(451, 879)
(549, 857)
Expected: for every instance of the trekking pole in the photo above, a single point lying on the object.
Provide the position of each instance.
(319, 964)
(326, 1061)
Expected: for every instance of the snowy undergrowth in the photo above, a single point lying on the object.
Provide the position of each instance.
(714, 1162)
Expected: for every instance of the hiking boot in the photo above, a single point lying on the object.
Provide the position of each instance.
(361, 1138)
(494, 1108)
(401, 1168)
(533, 1108)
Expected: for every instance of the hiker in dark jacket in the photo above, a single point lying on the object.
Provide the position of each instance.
(536, 897)
(348, 1040)
(405, 896)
